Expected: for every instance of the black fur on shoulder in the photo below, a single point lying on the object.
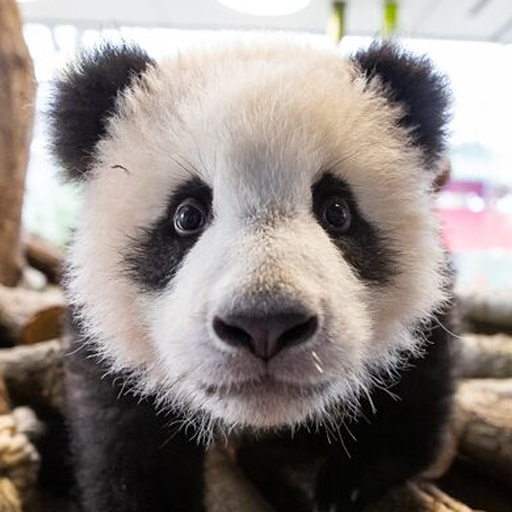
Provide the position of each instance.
(128, 456)
(413, 82)
(85, 97)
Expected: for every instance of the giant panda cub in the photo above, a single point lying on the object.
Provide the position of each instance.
(257, 266)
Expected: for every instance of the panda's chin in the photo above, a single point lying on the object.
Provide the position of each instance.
(266, 403)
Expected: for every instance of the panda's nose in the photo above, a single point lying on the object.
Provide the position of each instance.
(265, 335)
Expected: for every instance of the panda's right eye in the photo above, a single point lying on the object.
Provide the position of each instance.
(190, 217)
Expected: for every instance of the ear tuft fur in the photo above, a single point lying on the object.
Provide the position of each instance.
(85, 97)
(413, 82)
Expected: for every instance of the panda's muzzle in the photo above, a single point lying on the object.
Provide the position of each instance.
(265, 335)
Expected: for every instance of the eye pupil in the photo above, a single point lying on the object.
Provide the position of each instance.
(189, 218)
(337, 215)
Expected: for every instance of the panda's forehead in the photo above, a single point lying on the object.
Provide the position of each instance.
(269, 160)
(257, 132)
(269, 135)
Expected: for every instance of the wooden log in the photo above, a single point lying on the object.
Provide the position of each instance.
(486, 306)
(417, 497)
(44, 256)
(482, 356)
(229, 490)
(483, 422)
(35, 374)
(28, 316)
(475, 488)
(17, 93)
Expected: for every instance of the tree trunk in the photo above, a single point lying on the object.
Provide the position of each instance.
(17, 93)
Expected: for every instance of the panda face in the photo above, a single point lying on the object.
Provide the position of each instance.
(258, 243)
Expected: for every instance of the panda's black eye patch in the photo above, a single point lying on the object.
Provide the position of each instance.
(157, 251)
(362, 245)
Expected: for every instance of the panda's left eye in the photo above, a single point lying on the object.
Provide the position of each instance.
(335, 214)
(190, 217)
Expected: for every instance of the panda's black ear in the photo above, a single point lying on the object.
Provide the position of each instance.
(85, 97)
(413, 82)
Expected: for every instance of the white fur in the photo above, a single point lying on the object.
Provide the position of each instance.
(259, 125)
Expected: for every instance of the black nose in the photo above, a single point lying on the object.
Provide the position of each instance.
(265, 335)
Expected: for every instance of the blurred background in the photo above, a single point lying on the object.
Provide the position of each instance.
(468, 40)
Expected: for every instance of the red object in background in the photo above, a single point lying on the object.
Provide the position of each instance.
(464, 230)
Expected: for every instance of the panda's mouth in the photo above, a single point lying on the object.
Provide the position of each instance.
(266, 385)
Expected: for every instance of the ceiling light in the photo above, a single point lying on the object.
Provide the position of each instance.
(266, 7)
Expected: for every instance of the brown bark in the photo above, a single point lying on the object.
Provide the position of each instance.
(483, 356)
(17, 92)
(417, 497)
(44, 256)
(483, 421)
(28, 316)
(34, 375)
